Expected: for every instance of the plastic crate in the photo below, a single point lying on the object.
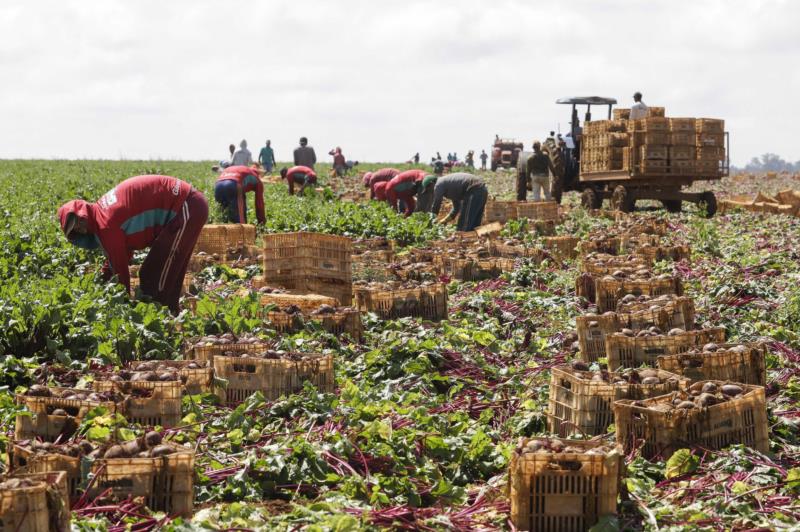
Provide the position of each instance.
(511, 251)
(652, 254)
(341, 291)
(42, 424)
(498, 211)
(609, 245)
(580, 405)
(564, 492)
(194, 380)
(288, 256)
(42, 507)
(427, 302)
(747, 367)
(561, 247)
(609, 291)
(272, 377)
(592, 331)
(710, 125)
(661, 431)
(536, 210)
(23, 459)
(219, 238)
(341, 322)
(680, 312)
(634, 351)
(166, 483)
(475, 269)
(206, 353)
(305, 302)
(162, 407)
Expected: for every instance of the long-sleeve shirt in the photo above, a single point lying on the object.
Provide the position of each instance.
(338, 158)
(305, 156)
(382, 175)
(639, 110)
(538, 164)
(130, 217)
(302, 175)
(242, 157)
(403, 187)
(453, 187)
(266, 156)
(247, 180)
(379, 190)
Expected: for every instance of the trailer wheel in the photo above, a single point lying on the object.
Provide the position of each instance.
(494, 166)
(590, 200)
(621, 199)
(672, 205)
(709, 202)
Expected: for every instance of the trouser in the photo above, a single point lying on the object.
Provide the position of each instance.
(472, 208)
(232, 201)
(268, 167)
(164, 268)
(296, 179)
(540, 181)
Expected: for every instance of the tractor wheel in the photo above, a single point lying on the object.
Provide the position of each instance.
(709, 202)
(590, 199)
(494, 166)
(621, 199)
(672, 205)
(557, 187)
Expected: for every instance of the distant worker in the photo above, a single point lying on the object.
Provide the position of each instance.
(470, 159)
(483, 159)
(402, 188)
(638, 109)
(242, 156)
(379, 190)
(229, 191)
(416, 158)
(467, 193)
(538, 169)
(381, 176)
(550, 141)
(155, 211)
(225, 162)
(438, 156)
(339, 162)
(300, 175)
(266, 157)
(304, 154)
(455, 157)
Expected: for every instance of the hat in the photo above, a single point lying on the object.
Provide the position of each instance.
(429, 180)
(72, 219)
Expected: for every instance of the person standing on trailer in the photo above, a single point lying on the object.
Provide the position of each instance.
(266, 157)
(301, 175)
(402, 189)
(638, 109)
(229, 191)
(155, 211)
(468, 194)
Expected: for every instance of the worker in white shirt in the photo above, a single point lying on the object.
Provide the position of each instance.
(242, 156)
(638, 109)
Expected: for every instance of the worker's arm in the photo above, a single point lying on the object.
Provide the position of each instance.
(438, 197)
(296, 161)
(113, 242)
(260, 203)
(313, 156)
(391, 198)
(410, 205)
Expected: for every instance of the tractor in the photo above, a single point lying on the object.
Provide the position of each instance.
(622, 187)
(505, 153)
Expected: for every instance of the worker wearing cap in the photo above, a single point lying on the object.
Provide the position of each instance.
(425, 194)
(230, 189)
(402, 189)
(301, 175)
(383, 174)
(538, 169)
(467, 193)
(155, 211)
(638, 109)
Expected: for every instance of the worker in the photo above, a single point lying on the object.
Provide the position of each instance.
(384, 174)
(365, 179)
(467, 193)
(379, 190)
(416, 158)
(304, 154)
(155, 211)
(266, 157)
(339, 163)
(425, 194)
(301, 175)
(225, 162)
(550, 141)
(229, 191)
(537, 169)
(242, 156)
(638, 109)
(402, 188)
(470, 160)
(483, 159)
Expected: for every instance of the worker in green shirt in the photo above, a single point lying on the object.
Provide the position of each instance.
(266, 157)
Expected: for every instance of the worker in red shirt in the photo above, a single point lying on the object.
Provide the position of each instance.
(229, 191)
(366, 178)
(402, 188)
(155, 211)
(379, 190)
(339, 162)
(384, 174)
(302, 175)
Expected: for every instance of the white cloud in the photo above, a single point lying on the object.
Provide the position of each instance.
(181, 79)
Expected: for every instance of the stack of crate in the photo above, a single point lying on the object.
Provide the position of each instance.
(603, 145)
(649, 147)
(682, 153)
(710, 145)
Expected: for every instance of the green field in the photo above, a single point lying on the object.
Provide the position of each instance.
(424, 418)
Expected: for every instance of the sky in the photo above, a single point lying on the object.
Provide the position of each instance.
(383, 79)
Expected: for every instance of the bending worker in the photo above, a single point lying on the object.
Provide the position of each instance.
(402, 189)
(468, 194)
(379, 190)
(232, 185)
(378, 176)
(301, 175)
(155, 211)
